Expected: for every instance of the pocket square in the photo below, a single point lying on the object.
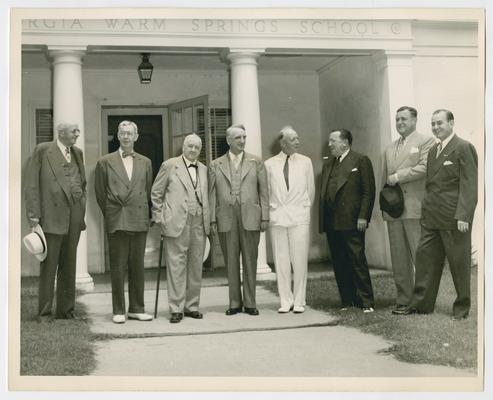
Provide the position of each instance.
(414, 150)
(354, 169)
(448, 163)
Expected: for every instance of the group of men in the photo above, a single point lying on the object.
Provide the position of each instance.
(238, 197)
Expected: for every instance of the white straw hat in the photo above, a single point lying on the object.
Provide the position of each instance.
(207, 249)
(35, 243)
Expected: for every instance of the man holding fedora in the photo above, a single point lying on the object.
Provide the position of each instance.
(180, 206)
(404, 169)
(55, 193)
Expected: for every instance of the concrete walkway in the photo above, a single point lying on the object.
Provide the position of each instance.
(269, 345)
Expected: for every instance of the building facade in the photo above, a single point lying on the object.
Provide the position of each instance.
(315, 74)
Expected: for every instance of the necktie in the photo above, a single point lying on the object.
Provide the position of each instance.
(398, 148)
(439, 148)
(67, 153)
(128, 154)
(285, 170)
(193, 166)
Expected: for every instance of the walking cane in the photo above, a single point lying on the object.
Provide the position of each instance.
(159, 274)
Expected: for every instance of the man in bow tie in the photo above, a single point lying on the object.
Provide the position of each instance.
(404, 163)
(180, 206)
(55, 193)
(448, 210)
(123, 186)
(346, 202)
(239, 202)
(291, 194)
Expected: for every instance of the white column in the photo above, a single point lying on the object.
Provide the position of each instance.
(68, 107)
(245, 107)
(395, 82)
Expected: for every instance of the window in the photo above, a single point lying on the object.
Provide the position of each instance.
(220, 120)
(44, 125)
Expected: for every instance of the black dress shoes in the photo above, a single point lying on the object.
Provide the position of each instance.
(193, 314)
(251, 311)
(405, 311)
(176, 317)
(233, 311)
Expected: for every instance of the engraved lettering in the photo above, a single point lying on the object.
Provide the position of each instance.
(273, 26)
(127, 23)
(208, 23)
(331, 27)
(362, 28)
(374, 29)
(244, 25)
(220, 25)
(49, 23)
(303, 28)
(314, 24)
(111, 23)
(33, 23)
(260, 26)
(195, 25)
(346, 27)
(395, 28)
(159, 24)
(143, 24)
(76, 22)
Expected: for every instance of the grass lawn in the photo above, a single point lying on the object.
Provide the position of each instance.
(61, 347)
(431, 339)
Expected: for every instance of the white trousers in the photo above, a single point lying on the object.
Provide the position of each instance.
(290, 248)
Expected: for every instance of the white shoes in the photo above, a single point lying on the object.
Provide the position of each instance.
(298, 309)
(368, 309)
(118, 318)
(140, 316)
(284, 310)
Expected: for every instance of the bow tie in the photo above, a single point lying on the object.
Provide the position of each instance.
(128, 153)
(193, 166)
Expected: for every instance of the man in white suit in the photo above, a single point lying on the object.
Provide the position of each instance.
(180, 205)
(405, 164)
(291, 194)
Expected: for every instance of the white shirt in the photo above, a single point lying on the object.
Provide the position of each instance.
(235, 159)
(290, 208)
(63, 149)
(128, 163)
(446, 141)
(343, 155)
(192, 171)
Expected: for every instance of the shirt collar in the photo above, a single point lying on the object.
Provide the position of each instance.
(233, 157)
(405, 139)
(343, 155)
(446, 141)
(188, 162)
(284, 155)
(61, 146)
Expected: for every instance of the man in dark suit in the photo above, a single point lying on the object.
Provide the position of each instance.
(447, 214)
(55, 193)
(239, 204)
(123, 187)
(346, 202)
(180, 206)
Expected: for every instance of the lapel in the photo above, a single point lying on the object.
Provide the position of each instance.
(246, 165)
(182, 173)
(346, 166)
(116, 163)
(224, 167)
(403, 154)
(326, 174)
(56, 160)
(202, 179)
(78, 159)
(137, 170)
(437, 163)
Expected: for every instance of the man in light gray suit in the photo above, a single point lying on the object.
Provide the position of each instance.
(239, 201)
(405, 164)
(123, 183)
(180, 206)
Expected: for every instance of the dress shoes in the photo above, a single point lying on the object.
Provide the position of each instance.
(367, 310)
(176, 317)
(400, 307)
(405, 311)
(140, 316)
(284, 310)
(118, 318)
(233, 311)
(251, 311)
(460, 317)
(298, 309)
(194, 314)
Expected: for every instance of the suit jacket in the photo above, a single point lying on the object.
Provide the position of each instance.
(355, 195)
(47, 190)
(172, 191)
(290, 208)
(254, 196)
(451, 185)
(410, 167)
(123, 202)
